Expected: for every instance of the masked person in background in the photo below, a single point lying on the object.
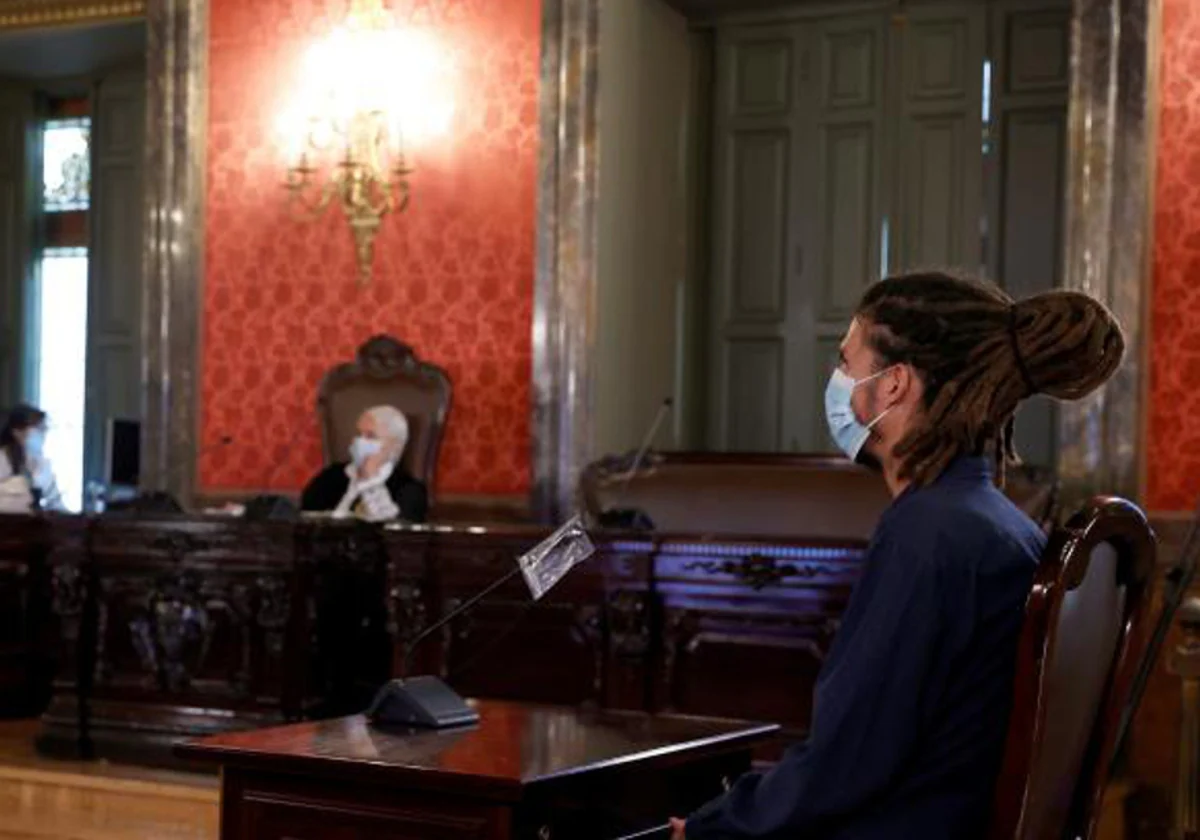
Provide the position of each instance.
(26, 479)
(912, 703)
(372, 485)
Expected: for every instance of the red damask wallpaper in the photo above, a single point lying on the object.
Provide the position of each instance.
(453, 275)
(1173, 440)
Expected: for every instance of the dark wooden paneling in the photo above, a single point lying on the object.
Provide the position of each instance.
(176, 625)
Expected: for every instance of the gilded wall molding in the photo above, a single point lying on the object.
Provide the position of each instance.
(28, 14)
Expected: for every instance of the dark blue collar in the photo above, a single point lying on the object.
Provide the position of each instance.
(967, 468)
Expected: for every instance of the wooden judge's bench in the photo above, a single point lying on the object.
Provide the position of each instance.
(133, 631)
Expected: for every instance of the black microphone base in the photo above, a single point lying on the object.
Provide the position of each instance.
(422, 702)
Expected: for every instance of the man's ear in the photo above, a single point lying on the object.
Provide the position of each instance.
(898, 383)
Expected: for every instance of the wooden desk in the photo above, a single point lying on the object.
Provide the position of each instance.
(526, 772)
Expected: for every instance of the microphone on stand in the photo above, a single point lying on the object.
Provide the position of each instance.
(426, 701)
(616, 517)
(161, 501)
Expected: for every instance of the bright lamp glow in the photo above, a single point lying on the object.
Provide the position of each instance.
(367, 95)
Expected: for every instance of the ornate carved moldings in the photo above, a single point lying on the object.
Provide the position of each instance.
(629, 624)
(67, 590)
(758, 571)
(173, 634)
(24, 14)
(179, 546)
(406, 611)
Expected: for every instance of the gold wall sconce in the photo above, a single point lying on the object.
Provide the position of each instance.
(364, 91)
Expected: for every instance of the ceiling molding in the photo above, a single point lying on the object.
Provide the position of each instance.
(28, 14)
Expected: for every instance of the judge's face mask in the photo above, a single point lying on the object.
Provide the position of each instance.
(362, 448)
(847, 432)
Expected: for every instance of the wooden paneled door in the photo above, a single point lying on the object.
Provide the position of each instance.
(18, 195)
(850, 145)
(1026, 170)
(114, 350)
(797, 200)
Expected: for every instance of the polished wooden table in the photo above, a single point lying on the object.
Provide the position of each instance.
(525, 771)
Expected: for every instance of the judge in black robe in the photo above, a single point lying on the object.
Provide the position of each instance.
(373, 484)
(326, 489)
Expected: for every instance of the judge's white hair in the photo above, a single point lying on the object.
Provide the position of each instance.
(392, 428)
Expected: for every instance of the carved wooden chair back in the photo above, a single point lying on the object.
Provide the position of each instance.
(387, 372)
(1085, 633)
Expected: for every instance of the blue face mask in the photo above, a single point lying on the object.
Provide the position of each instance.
(35, 441)
(849, 434)
(362, 448)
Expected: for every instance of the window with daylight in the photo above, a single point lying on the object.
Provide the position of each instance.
(62, 294)
(66, 165)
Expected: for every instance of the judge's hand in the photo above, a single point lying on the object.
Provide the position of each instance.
(677, 829)
(371, 467)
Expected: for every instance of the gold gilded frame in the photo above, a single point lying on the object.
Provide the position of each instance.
(31, 14)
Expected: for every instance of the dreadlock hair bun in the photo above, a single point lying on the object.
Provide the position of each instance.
(979, 354)
(1068, 342)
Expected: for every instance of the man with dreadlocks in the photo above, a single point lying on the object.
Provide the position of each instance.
(912, 703)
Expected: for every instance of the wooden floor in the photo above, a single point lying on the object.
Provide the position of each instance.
(42, 799)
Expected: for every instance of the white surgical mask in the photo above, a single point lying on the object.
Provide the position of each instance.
(849, 434)
(362, 448)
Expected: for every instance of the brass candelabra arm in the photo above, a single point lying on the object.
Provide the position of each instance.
(300, 187)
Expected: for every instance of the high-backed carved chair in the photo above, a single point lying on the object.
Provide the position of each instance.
(387, 372)
(1085, 634)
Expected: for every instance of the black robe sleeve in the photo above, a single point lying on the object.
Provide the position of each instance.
(325, 489)
(870, 704)
(409, 495)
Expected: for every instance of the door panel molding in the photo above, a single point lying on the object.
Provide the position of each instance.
(1109, 114)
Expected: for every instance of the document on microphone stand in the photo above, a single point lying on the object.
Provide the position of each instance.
(549, 561)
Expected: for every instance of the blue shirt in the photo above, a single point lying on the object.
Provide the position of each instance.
(912, 703)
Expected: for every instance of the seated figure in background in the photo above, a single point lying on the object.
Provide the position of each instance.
(373, 484)
(26, 479)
